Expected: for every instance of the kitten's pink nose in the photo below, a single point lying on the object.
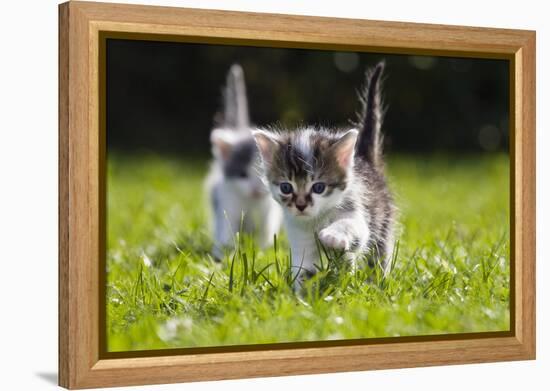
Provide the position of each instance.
(301, 207)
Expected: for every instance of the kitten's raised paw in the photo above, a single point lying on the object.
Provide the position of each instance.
(332, 238)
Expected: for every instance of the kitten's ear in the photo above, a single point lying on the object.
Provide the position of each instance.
(222, 142)
(267, 143)
(344, 148)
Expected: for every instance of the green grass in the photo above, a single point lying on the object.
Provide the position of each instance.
(450, 273)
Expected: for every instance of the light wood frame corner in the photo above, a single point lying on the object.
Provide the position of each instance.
(81, 24)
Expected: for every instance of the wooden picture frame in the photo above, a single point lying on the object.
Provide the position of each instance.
(82, 362)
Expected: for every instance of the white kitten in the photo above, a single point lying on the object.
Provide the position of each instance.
(238, 198)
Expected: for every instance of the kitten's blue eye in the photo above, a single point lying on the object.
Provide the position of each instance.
(318, 187)
(286, 188)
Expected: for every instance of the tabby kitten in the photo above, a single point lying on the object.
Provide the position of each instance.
(331, 185)
(238, 198)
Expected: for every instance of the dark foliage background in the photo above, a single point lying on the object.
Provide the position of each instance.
(162, 97)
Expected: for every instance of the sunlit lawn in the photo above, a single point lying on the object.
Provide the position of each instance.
(450, 273)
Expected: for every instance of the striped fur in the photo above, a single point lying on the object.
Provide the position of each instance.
(369, 144)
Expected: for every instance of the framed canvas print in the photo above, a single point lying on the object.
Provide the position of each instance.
(248, 195)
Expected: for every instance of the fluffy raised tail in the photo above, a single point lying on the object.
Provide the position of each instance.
(235, 103)
(369, 144)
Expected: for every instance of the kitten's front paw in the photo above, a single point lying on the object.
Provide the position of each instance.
(332, 238)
